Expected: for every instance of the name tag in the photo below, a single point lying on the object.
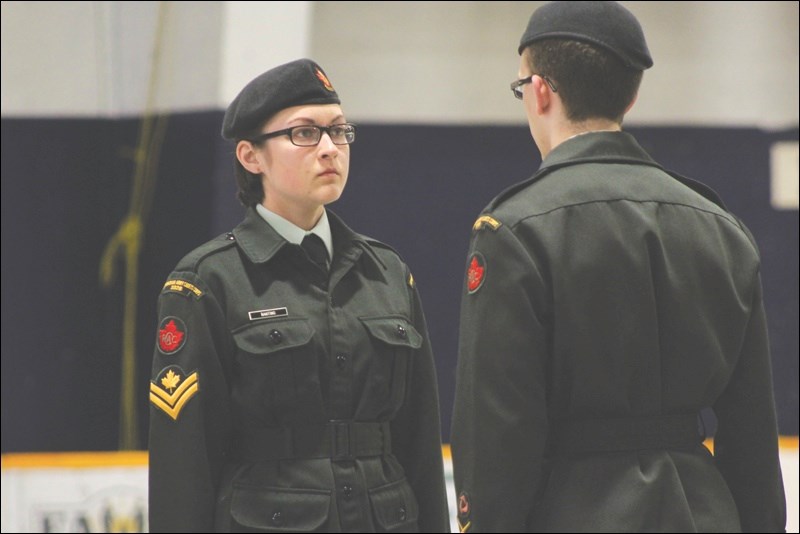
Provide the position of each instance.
(268, 314)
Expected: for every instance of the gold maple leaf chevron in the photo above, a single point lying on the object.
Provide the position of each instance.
(172, 403)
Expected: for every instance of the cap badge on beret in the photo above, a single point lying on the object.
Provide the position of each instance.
(324, 79)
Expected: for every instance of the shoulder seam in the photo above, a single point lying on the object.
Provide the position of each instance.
(726, 216)
(195, 263)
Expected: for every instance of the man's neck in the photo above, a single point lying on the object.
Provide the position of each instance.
(568, 130)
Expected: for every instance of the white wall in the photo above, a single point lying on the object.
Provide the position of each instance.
(103, 58)
(716, 63)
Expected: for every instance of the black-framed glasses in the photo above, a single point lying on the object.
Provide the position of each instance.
(516, 87)
(311, 134)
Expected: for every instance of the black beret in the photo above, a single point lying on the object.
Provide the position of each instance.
(295, 83)
(605, 24)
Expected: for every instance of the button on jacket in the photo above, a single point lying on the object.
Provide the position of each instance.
(606, 293)
(288, 398)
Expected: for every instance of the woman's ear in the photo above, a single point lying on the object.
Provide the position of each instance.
(247, 155)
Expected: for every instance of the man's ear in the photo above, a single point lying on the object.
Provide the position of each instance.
(542, 94)
(633, 101)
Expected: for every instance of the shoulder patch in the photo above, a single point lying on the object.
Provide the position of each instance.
(171, 390)
(484, 221)
(187, 289)
(464, 508)
(171, 335)
(410, 280)
(476, 272)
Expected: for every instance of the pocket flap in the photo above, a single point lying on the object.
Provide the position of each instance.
(272, 336)
(394, 504)
(280, 509)
(393, 330)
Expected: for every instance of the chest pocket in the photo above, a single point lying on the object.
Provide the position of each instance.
(393, 340)
(278, 369)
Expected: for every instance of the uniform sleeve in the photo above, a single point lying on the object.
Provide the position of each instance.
(189, 420)
(416, 432)
(500, 419)
(746, 442)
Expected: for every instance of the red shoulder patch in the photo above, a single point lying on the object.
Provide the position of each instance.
(476, 272)
(171, 335)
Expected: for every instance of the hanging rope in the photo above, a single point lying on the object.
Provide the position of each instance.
(126, 243)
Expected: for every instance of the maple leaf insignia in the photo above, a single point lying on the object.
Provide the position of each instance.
(171, 380)
(475, 274)
(172, 336)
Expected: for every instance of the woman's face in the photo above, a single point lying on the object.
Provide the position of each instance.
(299, 180)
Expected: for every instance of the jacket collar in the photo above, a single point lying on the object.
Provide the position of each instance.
(260, 242)
(600, 147)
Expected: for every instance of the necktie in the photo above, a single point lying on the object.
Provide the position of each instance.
(316, 250)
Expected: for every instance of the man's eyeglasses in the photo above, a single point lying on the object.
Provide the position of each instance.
(310, 135)
(516, 87)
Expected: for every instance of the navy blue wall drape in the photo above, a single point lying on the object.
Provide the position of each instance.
(65, 190)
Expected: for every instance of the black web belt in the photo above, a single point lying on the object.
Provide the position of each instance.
(624, 434)
(338, 440)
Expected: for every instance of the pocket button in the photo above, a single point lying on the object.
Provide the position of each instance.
(276, 337)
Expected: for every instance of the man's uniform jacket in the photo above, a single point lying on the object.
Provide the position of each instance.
(606, 304)
(287, 399)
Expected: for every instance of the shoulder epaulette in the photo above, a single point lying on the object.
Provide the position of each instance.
(193, 258)
(380, 244)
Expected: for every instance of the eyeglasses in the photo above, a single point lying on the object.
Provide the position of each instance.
(516, 87)
(310, 135)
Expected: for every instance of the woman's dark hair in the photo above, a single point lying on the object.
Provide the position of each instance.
(592, 82)
(251, 190)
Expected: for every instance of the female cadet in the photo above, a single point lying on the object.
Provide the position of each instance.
(293, 385)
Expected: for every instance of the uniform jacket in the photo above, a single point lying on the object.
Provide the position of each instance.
(287, 399)
(607, 293)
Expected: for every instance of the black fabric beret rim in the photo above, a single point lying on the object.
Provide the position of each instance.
(639, 63)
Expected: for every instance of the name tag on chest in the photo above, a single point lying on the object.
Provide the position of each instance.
(268, 314)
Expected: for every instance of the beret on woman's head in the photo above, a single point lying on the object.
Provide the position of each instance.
(295, 83)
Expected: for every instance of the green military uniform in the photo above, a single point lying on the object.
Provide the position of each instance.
(285, 398)
(606, 303)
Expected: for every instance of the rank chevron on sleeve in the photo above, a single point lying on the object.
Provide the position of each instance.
(170, 391)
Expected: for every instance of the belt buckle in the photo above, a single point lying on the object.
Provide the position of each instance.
(341, 441)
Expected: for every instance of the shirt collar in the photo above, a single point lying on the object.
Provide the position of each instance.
(293, 233)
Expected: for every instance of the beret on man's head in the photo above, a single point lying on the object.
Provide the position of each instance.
(295, 83)
(604, 24)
